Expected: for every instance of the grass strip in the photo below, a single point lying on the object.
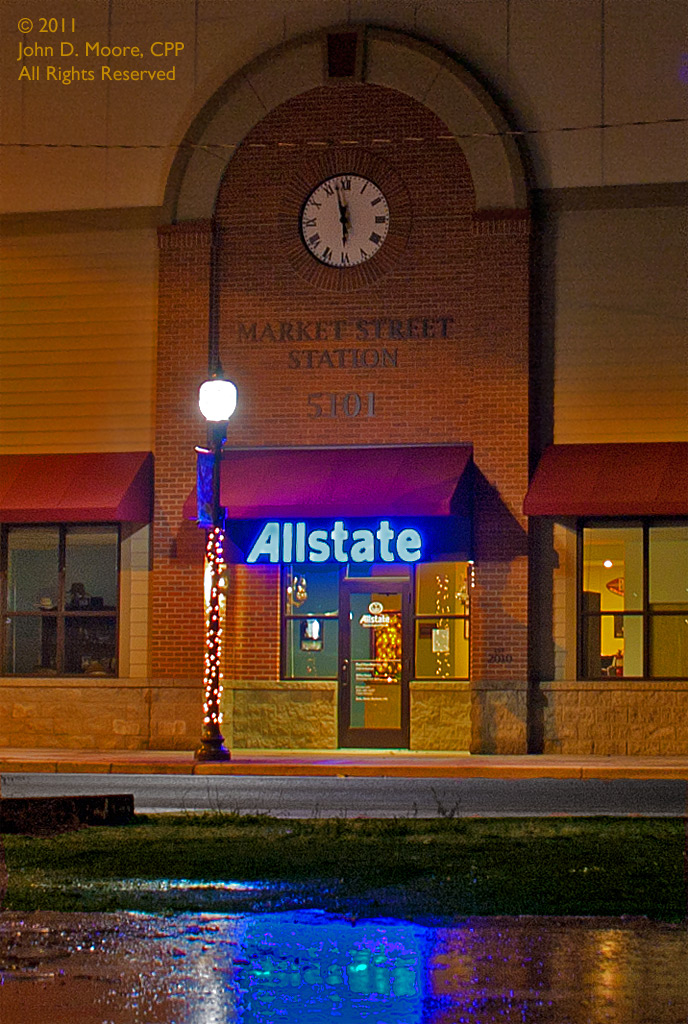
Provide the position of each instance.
(552, 866)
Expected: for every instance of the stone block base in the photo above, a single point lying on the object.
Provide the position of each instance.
(100, 714)
(499, 712)
(298, 715)
(440, 716)
(616, 717)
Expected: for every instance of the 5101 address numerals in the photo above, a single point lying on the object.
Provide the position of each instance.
(349, 404)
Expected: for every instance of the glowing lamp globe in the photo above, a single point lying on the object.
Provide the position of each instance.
(217, 399)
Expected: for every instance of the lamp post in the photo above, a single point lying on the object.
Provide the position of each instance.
(217, 399)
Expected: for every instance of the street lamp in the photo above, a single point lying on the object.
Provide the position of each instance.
(217, 399)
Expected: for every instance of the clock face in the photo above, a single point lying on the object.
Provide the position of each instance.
(344, 221)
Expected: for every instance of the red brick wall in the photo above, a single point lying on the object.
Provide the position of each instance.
(253, 622)
(177, 580)
(447, 261)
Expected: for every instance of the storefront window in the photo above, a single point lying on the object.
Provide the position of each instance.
(441, 621)
(668, 600)
(60, 600)
(310, 602)
(634, 601)
(310, 618)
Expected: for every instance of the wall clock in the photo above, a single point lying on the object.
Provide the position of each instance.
(345, 220)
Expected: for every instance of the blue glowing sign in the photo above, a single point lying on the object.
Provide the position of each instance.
(294, 542)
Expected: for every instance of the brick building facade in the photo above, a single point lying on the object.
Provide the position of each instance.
(468, 331)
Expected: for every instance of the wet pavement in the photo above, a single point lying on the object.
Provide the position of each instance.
(310, 966)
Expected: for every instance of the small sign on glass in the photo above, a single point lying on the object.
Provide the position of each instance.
(440, 640)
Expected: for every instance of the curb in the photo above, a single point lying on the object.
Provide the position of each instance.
(471, 770)
(41, 814)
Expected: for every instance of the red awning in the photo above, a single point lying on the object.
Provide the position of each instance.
(610, 480)
(111, 487)
(420, 480)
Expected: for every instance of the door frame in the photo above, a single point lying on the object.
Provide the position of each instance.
(373, 738)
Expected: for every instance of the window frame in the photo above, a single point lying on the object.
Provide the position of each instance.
(286, 617)
(415, 618)
(61, 612)
(418, 617)
(645, 613)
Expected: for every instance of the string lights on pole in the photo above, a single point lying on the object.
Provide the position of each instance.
(214, 613)
(217, 400)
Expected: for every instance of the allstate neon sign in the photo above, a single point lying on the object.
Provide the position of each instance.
(290, 542)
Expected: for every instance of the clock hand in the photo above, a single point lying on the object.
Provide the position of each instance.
(343, 217)
(345, 226)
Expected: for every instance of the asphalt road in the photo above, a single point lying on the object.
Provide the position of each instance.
(305, 797)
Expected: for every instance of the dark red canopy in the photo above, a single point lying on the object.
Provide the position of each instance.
(420, 480)
(631, 479)
(107, 487)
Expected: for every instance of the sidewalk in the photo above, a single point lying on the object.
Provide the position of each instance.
(384, 763)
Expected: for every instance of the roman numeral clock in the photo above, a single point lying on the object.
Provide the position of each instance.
(344, 227)
(345, 220)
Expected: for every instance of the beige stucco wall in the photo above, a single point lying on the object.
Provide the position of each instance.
(78, 309)
(555, 64)
(78, 319)
(621, 324)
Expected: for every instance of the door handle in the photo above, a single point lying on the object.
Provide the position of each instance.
(345, 672)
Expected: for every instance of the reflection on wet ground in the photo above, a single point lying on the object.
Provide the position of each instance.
(311, 966)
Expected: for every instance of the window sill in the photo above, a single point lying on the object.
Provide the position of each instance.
(614, 683)
(440, 684)
(279, 684)
(65, 681)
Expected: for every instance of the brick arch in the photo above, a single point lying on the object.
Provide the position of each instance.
(393, 60)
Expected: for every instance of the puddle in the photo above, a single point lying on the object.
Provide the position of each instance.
(310, 966)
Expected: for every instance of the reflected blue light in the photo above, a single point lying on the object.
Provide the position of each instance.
(310, 967)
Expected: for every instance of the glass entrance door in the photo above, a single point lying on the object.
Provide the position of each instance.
(374, 663)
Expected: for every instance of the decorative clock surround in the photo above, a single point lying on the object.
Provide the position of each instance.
(345, 220)
(312, 175)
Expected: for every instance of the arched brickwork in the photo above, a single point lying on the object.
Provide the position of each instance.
(393, 60)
